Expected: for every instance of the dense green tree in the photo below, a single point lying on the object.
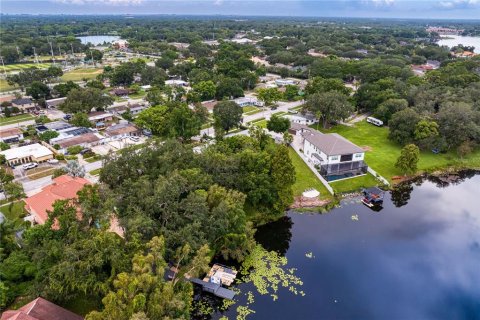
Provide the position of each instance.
(228, 88)
(155, 119)
(205, 89)
(227, 115)
(184, 123)
(84, 100)
(278, 124)
(155, 96)
(63, 89)
(48, 135)
(320, 85)
(269, 95)
(457, 124)
(402, 126)
(38, 90)
(330, 106)
(387, 108)
(408, 159)
(80, 119)
(291, 92)
(95, 84)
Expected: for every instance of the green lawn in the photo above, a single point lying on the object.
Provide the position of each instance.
(279, 113)
(4, 86)
(138, 95)
(95, 172)
(15, 119)
(249, 110)
(22, 66)
(384, 153)
(80, 74)
(354, 184)
(306, 179)
(14, 212)
(260, 123)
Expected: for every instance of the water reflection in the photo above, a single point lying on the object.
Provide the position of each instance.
(276, 236)
(418, 259)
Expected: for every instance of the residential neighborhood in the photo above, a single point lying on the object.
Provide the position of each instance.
(200, 160)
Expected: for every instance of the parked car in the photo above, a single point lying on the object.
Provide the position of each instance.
(135, 139)
(86, 150)
(53, 161)
(30, 165)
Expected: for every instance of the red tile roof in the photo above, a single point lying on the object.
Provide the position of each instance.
(40, 309)
(63, 187)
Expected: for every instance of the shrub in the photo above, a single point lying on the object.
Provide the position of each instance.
(74, 149)
(60, 156)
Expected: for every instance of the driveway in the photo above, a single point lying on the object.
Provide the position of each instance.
(54, 114)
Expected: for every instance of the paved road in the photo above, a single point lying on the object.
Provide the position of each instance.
(18, 124)
(33, 186)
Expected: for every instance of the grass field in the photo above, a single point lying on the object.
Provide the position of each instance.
(4, 86)
(80, 74)
(11, 120)
(249, 110)
(95, 172)
(354, 184)
(306, 179)
(37, 173)
(383, 153)
(260, 123)
(22, 66)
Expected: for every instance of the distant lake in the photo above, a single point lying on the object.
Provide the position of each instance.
(418, 258)
(97, 40)
(451, 41)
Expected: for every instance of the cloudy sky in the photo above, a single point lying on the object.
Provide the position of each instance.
(462, 9)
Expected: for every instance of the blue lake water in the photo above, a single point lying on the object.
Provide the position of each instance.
(418, 258)
(452, 41)
(97, 40)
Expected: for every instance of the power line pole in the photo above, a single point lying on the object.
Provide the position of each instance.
(3, 65)
(51, 50)
(35, 55)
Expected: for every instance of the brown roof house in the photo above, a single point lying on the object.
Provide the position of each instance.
(11, 135)
(40, 309)
(122, 130)
(63, 188)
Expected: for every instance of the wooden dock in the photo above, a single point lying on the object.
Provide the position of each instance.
(221, 274)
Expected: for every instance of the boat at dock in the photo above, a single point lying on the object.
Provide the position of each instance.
(373, 197)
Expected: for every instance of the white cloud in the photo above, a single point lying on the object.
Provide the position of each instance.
(455, 4)
(379, 3)
(218, 2)
(107, 2)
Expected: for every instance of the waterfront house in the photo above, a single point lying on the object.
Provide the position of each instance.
(335, 156)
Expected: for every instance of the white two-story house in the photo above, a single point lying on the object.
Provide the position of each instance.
(335, 156)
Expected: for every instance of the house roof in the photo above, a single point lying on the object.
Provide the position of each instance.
(22, 101)
(98, 115)
(77, 140)
(10, 132)
(119, 129)
(331, 144)
(55, 102)
(36, 150)
(63, 187)
(40, 309)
